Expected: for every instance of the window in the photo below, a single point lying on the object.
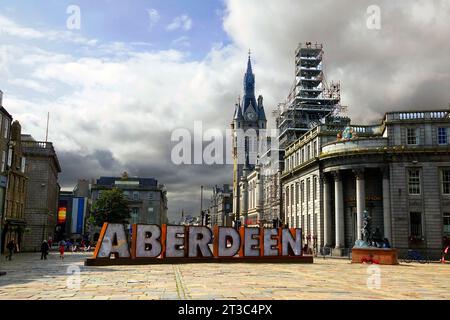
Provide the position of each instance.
(3, 161)
(287, 196)
(447, 223)
(151, 196)
(446, 181)
(315, 148)
(303, 155)
(292, 195)
(309, 152)
(442, 136)
(308, 188)
(414, 181)
(135, 195)
(6, 127)
(411, 136)
(302, 191)
(315, 188)
(415, 223)
(296, 193)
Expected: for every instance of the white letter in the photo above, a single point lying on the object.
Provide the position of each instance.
(374, 19)
(74, 21)
(181, 153)
(216, 146)
(114, 241)
(148, 241)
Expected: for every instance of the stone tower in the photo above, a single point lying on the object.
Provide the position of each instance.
(249, 118)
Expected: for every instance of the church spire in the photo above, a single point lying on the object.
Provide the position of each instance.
(249, 86)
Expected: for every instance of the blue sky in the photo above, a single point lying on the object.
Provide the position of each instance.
(117, 88)
(130, 22)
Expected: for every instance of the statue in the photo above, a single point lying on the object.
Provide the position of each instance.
(366, 232)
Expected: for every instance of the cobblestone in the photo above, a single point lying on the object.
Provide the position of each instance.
(28, 277)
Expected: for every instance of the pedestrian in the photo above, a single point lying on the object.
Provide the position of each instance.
(50, 242)
(10, 246)
(44, 250)
(62, 247)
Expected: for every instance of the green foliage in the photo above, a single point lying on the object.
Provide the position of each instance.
(112, 207)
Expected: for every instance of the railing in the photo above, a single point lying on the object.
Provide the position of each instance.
(418, 115)
(37, 144)
(357, 144)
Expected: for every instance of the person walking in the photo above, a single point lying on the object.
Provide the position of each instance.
(62, 248)
(10, 246)
(44, 250)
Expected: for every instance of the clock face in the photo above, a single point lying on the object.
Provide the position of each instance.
(251, 116)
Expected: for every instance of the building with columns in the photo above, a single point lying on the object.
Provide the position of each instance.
(397, 171)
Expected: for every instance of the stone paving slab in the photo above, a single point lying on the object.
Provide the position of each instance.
(28, 277)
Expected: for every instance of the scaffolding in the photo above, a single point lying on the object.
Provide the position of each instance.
(311, 100)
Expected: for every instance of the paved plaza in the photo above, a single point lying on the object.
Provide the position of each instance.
(30, 278)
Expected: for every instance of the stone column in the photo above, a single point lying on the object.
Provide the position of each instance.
(339, 210)
(327, 232)
(360, 201)
(386, 205)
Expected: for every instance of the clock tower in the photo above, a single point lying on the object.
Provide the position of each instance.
(249, 116)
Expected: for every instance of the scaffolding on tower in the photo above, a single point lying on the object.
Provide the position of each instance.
(311, 100)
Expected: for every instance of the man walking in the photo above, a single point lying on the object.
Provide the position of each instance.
(44, 250)
(10, 246)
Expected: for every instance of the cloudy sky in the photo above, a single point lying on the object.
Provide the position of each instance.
(134, 71)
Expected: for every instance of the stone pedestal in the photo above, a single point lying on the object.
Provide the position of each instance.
(337, 252)
(375, 255)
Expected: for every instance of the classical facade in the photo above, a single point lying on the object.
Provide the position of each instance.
(397, 172)
(41, 207)
(249, 118)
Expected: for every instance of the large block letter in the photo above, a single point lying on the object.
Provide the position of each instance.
(146, 241)
(271, 244)
(198, 244)
(175, 245)
(112, 240)
(223, 236)
(291, 242)
(251, 240)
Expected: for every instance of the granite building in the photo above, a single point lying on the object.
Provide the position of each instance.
(397, 172)
(14, 213)
(146, 198)
(221, 206)
(41, 206)
(5, 135)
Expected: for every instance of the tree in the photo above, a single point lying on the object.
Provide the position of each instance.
(112, 207)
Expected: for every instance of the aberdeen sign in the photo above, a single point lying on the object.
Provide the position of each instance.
(152, 244)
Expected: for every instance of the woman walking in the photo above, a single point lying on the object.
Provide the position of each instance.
(62, 248)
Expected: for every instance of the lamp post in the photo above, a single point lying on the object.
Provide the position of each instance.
(201, 203)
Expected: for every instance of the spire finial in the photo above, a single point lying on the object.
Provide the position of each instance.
(249, 53)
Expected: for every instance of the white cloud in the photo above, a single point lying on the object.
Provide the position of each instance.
(182, 42)
(153, 16)
(128, 101)
(10, 28)
(181, 22)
